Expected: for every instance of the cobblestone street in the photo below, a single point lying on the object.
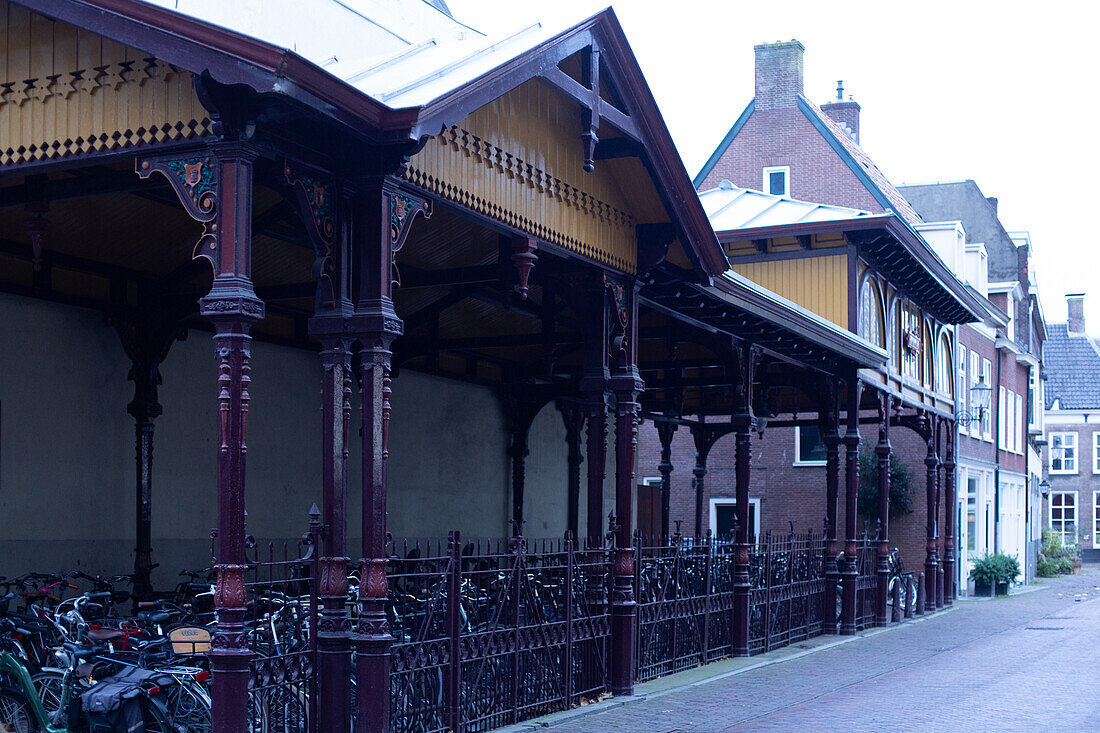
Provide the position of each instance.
(1024, 663)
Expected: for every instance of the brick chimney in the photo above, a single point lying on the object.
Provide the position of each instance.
(778, 74)
(845, 114)
(1076, 305)
(992, 202)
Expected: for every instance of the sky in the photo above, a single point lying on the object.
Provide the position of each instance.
(1003, 93)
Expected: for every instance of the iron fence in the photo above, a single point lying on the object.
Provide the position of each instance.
(866, 582)
(491, 632)
(787, 587)
(281, 581)
(684, 592)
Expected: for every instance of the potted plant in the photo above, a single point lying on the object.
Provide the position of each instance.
(994, 573)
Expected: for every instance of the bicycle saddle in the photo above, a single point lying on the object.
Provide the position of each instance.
(100, 636)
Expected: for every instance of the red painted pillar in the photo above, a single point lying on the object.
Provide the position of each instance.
(882, 450)
(665, 430)
(742, 462)
(831, 439)
(850, 572)
(232, 306)
(381, 220)
(949, 516)
(931, 560)
(626, 384)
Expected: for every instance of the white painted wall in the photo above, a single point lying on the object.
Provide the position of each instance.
(67, 450)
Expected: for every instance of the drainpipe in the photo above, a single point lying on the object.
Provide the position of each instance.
(997, 455)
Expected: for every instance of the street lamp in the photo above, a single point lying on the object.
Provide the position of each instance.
(980, 396)
(1044, 488)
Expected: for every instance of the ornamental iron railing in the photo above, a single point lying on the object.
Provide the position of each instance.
(492, 632)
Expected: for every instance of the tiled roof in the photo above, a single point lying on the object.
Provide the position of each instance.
(731, 207)
(878, 179)
(1072, 364)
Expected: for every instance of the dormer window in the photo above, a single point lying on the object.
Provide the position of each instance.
(777, 180)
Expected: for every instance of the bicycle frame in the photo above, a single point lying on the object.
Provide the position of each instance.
(11, 668)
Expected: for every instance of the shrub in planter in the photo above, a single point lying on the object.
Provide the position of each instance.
(1049, 568)
(994, 572)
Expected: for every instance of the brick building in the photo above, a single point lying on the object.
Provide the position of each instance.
(999, 464)
(1072, 456)
(794, 152)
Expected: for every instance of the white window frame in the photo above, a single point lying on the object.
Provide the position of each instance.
(975, 370)
(798, 453)
(1033, 399)
(962, 393)
(987, 421)
(1073, 447)
(1096, 453)
(1018, 426)
(786, 171)
(729, 501)
(1001, 418)
(1096, 518)
(1076, 517)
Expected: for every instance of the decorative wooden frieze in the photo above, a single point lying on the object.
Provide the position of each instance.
(67, 91)
(469, 170)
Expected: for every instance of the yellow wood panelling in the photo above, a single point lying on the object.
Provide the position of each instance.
(819, 284)
(65, 91)
(519, 160)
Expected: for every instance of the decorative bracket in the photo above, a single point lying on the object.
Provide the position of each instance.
(317, 196)
(196, 182)
(621, 328)
(524, 259)
(403, 209)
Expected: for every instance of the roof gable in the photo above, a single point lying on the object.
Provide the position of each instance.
(1072, 365)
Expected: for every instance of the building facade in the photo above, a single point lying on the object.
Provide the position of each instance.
(1071, 458)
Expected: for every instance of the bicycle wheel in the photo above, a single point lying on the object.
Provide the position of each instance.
(16, 714)
(188, 706)
(155, 717)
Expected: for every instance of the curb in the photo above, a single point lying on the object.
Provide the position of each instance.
(568, 716)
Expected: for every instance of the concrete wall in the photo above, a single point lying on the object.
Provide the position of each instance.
(67, 450)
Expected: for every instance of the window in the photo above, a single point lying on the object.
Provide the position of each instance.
(1096, 452)
(972, 513)
(1096, 518)
(987, 419)
(1063, 452)
(961, 396)
(1063, 516)
(723, 518)
(944, 371)
(911, 341)
(777, 180)
(1032, 396)
(1010, 420)
(808, 448)
(1019, 425)
(975, 369)
(1001, 418)
(870, 315)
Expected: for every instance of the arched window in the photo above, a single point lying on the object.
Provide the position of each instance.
(929, 352)
(945, 383)
(870, 315)
(910, 339)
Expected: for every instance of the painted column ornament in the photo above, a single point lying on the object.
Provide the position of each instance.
(524, 259)
(195, 181)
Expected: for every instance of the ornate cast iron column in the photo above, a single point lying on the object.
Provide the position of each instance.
(850, 573)
(665, 430)
(626, 385)
(381, 220)
(830, 436)
(593, 386)
(949, 516)
(704, 438)
(931, 561)
(882, 450)
(742, 423)
(573, 418)
(322, 207)
(215, 187)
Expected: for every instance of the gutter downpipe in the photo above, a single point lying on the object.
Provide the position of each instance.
(997, 454)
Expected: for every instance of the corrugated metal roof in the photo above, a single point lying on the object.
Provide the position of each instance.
(731, 207)
(403, 53)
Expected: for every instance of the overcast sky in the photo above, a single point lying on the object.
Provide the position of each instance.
(1000, 92)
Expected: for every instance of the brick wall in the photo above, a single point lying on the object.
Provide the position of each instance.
(1084, 482)
(787, 493)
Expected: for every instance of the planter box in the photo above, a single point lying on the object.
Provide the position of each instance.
(987, 589)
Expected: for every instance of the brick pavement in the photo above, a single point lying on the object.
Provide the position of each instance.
(1028, 662)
